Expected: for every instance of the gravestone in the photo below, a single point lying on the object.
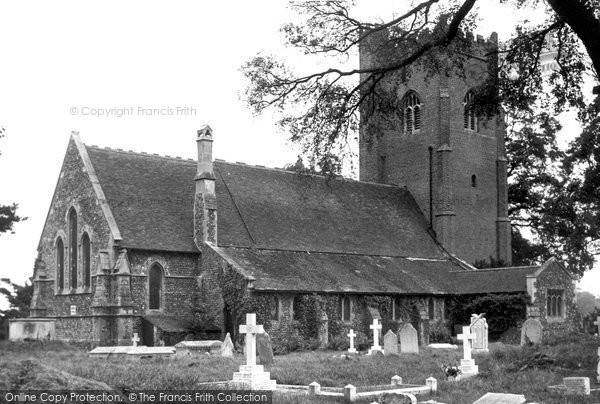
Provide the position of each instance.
(577, 385)
(265, 349)
(227, 347)
(323, 331)
(597, 324)
(151, 351)
(479, 327)
(531, 332)
(110, 351)
(467, 364)
(598, 368)
(501, 398)
(409, 340)
(351, 334)
(376, 327)
(390, 343)
(252, 376)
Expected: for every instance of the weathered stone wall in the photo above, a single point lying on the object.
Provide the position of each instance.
(73, 190)
(555, 277)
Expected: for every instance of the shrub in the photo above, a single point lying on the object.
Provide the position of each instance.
(339, 343)
(439, 332)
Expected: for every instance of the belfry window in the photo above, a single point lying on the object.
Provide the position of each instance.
(469, 116)
(411, 113)
(60, 264)
(73, 247)
(155, 285)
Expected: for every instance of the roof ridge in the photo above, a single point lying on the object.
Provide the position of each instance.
(499, 268)
(139, 153)
(336, 253)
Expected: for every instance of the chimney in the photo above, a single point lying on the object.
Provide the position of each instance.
(205, 201)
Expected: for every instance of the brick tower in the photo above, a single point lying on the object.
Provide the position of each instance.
(432, 142)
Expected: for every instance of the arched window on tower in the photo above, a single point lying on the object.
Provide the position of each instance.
(73, 247)
(86, 253)
(469, 116)
(60, 264)
(155, 285)
(411, 113)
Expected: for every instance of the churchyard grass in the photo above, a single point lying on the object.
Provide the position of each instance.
(505, 369)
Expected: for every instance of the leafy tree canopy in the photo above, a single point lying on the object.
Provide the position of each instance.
(19, 299)
(552, 193)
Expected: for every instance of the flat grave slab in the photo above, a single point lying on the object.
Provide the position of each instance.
(442, 346)
(154, 351)
(198, 347)
(501, 398)
(108, 351)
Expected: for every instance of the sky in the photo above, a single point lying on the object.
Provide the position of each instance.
(66, 65)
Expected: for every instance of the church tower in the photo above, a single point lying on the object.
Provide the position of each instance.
(427, 137)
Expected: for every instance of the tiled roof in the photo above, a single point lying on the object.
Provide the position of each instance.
(289, 231)
(494, 280)
(303, 271)
(151, 198)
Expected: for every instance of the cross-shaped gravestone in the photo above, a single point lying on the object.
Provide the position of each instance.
(597, 324)
(352, 334)
(375, 327)
(251, 329)
(466, 337)
(135, 339)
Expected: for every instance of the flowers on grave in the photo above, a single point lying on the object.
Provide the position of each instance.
(451, 370)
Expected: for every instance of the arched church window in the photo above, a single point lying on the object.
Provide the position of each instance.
(411, 112)
(86, 260)
(73, 247)
(474, 181)
(155, 286)
(469, 116)
(60, 263)
(554, 303)
(345, 309)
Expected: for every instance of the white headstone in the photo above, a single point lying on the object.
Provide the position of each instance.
(352, 334)
(376, 327)
(467, 364)
(577, 385)
(479, 327)
(135, 339)
(390, 343)
(227, 347)
(409, 339)
(531, 331)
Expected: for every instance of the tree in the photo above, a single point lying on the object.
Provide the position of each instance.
(320, 109)
(19, 299)
(586, 303)
(8, 213)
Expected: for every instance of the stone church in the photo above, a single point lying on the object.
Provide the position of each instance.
(163, 246)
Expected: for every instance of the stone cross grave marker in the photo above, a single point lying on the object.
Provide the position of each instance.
(135, 339)
(390, 343)
(376, 327)
(531, 331)
(479, 327)
(252, 376)
(352, 334)
(250, 329)
(409, 339)
(597, 324)
(467, 364)
(227, 347)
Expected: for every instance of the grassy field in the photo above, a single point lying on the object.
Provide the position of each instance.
(505, 369)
